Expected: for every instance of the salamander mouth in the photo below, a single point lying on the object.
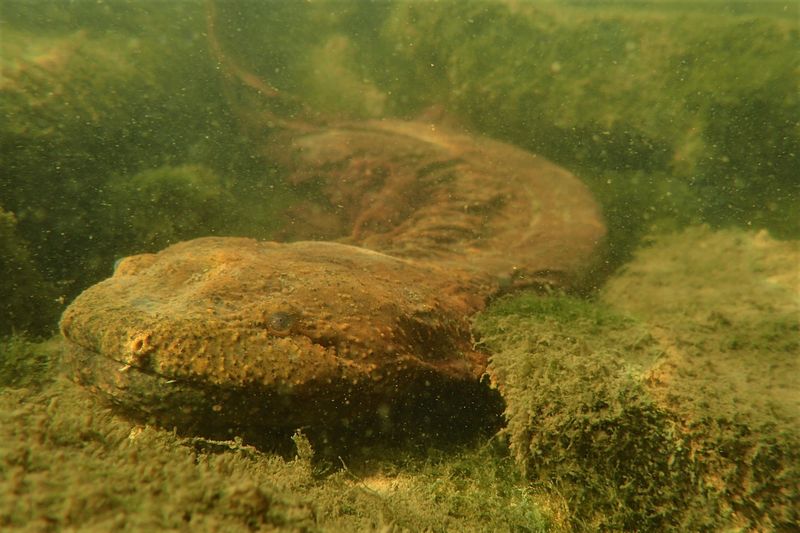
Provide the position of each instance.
(422, 407)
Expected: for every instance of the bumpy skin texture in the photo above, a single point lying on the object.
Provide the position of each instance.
(231, 332)
(238, 311)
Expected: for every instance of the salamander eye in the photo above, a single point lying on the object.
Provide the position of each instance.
(281, 322)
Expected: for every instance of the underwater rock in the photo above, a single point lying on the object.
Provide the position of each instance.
(672, 403)
(168, 204)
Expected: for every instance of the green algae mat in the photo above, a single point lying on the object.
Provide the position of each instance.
(670, 401)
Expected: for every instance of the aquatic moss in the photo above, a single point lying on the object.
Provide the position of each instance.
(25, 363)
(578, 416)
(670, 402)
(162, 206)
(68, 462)
(724, 307)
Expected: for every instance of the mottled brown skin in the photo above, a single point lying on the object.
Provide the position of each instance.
(240, 312)
(224, 334)
(416, 190)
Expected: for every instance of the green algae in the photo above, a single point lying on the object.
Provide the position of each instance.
(68, 462)
(670, 401)
(578, 417)
(25, 363)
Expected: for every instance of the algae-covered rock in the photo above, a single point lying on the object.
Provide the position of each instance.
(700, 100)
(725, 309)
(165, 205)
(670, 403)
(577, 414)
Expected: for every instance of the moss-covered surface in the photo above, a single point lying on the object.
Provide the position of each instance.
(66, 462)
(672, 400)
(578, 414)
(25, 363)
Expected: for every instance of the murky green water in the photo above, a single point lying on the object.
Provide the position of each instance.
(130, 126)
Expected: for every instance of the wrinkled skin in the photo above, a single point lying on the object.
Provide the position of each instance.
(415, 190)
(223, 335)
